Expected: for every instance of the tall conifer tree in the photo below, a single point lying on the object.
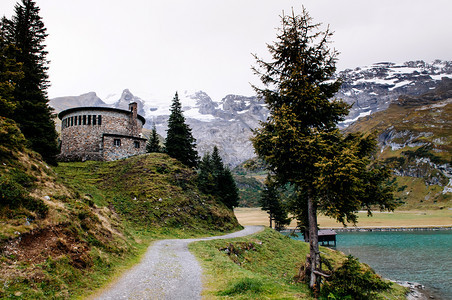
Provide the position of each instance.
(10, 74)
(180, 143)
(153, 144)
(300, 141)
(270, 201)
(227, 189)
(33, 114)
(206, 181)
(217, 167)
(216, 179)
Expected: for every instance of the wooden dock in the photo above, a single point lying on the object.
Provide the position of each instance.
(327, 236)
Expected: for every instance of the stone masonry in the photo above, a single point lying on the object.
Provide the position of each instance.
(101, 133)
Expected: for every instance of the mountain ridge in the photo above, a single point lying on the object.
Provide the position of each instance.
(228, 123)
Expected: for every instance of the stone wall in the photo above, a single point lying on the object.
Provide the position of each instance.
(126, 147)
(87, 134)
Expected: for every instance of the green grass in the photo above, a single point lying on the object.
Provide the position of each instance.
(110, 212)
(262, 266)
(256, 273)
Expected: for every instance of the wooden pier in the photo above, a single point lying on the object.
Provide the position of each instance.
(327, 236)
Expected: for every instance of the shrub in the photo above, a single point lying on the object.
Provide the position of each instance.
(13, 195)
(353, 281)
(245, 285)
(10, 138)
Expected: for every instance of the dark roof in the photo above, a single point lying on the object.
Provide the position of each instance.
(323, 232)
(98, 108)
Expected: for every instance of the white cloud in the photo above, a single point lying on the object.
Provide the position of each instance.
(159, 47)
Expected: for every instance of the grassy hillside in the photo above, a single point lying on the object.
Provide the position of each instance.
(415, 136)
(67, 230)
(264, 266)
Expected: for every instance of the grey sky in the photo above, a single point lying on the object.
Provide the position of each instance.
(155, 48)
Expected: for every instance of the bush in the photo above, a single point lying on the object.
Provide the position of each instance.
(10, 138)
(353, 281)
(242, 286)
(13, 195)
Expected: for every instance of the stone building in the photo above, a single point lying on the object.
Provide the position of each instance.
(101, 133)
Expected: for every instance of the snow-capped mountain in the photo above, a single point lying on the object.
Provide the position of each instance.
(228, 123)
(374, 87)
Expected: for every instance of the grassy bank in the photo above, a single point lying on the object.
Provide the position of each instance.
(427, 218)
(262, 266)
(81, 224)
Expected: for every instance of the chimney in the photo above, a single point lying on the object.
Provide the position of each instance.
(133, 107)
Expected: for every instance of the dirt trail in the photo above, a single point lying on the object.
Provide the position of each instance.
(168, 271)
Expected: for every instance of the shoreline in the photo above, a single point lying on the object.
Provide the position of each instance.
(417, 291)
(377, 228)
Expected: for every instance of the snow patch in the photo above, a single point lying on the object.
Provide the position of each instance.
(195, 114)
(363, 114)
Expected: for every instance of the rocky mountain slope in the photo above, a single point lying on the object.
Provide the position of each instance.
(415, 139)
(228, 123)
(374, 87)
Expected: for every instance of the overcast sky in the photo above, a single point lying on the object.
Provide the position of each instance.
(155, 48)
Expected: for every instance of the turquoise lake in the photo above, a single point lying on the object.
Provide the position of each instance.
(416, 256)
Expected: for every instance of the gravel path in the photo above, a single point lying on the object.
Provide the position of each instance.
(168, 271)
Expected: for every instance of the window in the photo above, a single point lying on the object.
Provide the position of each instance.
(84, 119)
(99, 120)
(137, 144)
(72, 121)
(89, 119)
(75, 121)
(94, 119)
(117, 142)
(79, 120)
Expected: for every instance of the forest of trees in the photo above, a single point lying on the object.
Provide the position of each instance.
(24, 79)
(216, 179)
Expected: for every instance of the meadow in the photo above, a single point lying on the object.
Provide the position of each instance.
(405, 219)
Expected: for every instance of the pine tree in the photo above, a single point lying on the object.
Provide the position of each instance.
(180, 143)
(217, 168)
(10, 74)
(33, 114)
(215, 179)
(153, 144)
(206, 181)
(227, 189)
(300, 141)
(271, 202)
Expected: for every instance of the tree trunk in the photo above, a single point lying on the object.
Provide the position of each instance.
(271, 218)
(313, 245)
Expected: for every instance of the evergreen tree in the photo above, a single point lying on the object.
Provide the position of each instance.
(153, 144)
(217, 168)
(206, 181)
(33, 114)
(227, 189)
(10, 74)
(215, 179)
(271, 202)
(180, 143)
(300, 142)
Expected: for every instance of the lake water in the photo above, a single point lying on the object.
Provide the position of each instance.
(416, 256)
